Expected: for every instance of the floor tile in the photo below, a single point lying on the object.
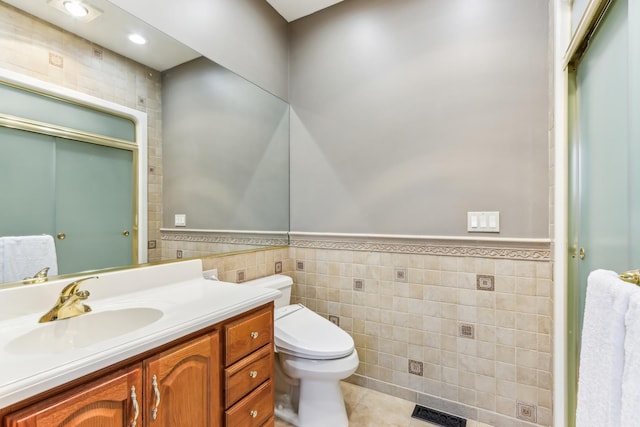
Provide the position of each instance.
(369, 408)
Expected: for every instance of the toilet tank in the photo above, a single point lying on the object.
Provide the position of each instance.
(278, 281)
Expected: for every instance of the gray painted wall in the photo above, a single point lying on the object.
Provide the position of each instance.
(406, 114)
(225, 151)
(246, 36)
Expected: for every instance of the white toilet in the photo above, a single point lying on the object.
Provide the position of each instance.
(312, 356)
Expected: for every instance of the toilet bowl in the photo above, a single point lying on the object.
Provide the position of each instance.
(313, 355)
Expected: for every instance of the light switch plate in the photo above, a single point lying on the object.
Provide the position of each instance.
(483, 222)
(180, 220)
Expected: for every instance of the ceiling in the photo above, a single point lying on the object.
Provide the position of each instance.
(111, 31)
(161, 51)
(294, 9)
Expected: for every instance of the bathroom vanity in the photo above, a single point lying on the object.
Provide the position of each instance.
(199, 353)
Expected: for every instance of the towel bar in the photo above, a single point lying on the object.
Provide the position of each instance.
(632, 276)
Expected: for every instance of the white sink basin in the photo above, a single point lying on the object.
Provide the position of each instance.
(82, 331)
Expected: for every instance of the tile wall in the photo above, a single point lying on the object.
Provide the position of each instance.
(250, 265)
(37, 49)
(465, 334)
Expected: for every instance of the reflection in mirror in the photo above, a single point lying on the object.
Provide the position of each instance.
(225, 162)
(235, 196)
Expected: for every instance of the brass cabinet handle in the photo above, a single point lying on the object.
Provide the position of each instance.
(253, 413)
(61, 236)
(253, 374)
(582, 253)
(254, 335)
(125, 233)
(156, 391)
(136, 408)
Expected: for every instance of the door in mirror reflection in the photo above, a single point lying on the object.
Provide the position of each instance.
(79, 191)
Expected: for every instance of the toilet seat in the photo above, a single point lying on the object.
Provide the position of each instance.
(301, 332)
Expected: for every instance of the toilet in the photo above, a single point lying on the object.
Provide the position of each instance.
(312, 356)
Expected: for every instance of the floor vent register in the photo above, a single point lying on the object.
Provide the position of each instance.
(437, 417)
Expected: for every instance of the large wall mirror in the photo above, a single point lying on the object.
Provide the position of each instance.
(218, 174)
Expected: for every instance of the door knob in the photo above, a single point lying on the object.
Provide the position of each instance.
(61, 236)
(125, 233)
(582, 253)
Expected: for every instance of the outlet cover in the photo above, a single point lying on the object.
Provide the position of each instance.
(334, 319)
(179, 254)
(278, 267)
(300, 265)
(358, 285)
(240, 277)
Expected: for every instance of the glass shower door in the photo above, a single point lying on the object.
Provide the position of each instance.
(603, 184)
(94, 206)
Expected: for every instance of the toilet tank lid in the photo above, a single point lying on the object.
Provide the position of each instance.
(276, 281)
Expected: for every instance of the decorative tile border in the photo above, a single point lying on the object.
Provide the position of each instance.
(514, 249)
(254, 238)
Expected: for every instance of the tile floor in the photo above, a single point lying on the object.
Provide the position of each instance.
(369, 408)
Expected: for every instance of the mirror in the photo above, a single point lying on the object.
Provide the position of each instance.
(219, 156)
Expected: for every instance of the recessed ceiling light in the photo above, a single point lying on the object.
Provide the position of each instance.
(75, 9)
(137, 39)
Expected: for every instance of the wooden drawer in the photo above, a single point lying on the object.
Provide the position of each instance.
(248, 334)
(271, 422)
(247, 374)
(254, 410)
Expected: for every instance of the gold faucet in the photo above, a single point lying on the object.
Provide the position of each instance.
(69, 304)
(39, 277)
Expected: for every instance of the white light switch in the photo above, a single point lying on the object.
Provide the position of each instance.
(483, 222)
(180, 220)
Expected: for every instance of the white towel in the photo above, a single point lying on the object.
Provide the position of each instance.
(602, 351)
(24, 256)
(631, 374)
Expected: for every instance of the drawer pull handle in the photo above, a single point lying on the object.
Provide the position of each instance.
(254, 335)
(253, 413)
(136, 408)
(156, 391)
(253, 374)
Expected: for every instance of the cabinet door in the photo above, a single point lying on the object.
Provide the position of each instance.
(113, 401)
(182, 385)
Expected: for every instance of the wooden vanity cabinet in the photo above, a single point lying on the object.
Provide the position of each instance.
(106, 402)
(182, 386)
(249, 384)
(187, 384)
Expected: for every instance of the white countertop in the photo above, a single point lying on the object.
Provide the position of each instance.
(187, 306)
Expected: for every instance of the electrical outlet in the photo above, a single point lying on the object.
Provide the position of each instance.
(358, 285)
(334, 319)
(278, 267)
(300, 265)
(179, 254)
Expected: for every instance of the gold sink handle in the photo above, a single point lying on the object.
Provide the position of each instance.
(69, 302)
